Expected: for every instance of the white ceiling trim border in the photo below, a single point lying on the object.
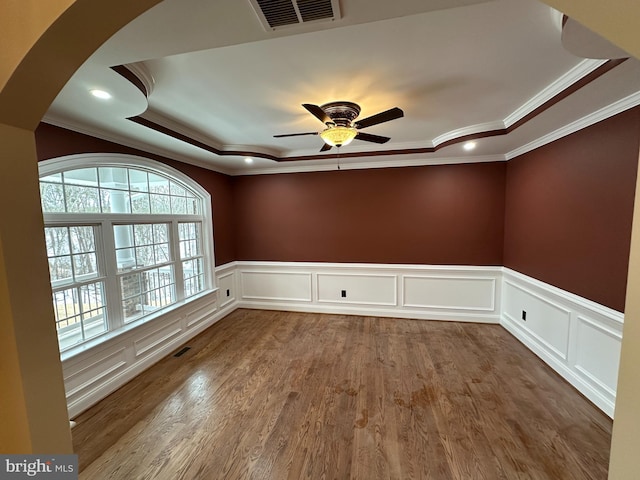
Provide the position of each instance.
(419, 162)
(128, 142)
(615, 108)
(140, 70)
(573, 76)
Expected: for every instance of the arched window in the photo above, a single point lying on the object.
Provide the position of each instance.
(127, 238)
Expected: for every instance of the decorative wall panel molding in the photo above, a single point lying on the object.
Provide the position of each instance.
(441, 292)
(94, 373)
(578, 338)
(433, 292)
(265, 285)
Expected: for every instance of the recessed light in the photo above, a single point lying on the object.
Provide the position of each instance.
(469, 146)
(248, 160)
(100, 94)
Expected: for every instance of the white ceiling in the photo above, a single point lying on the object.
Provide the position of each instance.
(455, 67)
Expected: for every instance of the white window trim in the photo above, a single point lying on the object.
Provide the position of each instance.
(94, 160)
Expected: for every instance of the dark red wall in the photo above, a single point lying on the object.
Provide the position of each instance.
(54, 142)
(569, 209)
(445, 214)
(561, 214)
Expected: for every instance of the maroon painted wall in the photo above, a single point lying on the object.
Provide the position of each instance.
(54, 142)
(561, 214)
(569, 208)
(445, 214)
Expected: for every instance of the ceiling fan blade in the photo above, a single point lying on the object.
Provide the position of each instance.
(317, 112)
(325, 147)
(381, 117)
(295, 134)
(367, 137)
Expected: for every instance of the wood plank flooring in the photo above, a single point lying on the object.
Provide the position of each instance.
(275, 395)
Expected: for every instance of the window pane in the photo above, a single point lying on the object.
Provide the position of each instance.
(193, 276)
(158, 184)
(60, 269)
(193, 206)
(123, 235)
(146, 292)
(113, 178)
(115, 201)
(189, 235)
(143, 234)
(144, 257)
(80, 313)
(130, 287)
(160, 203)
(81, 199)
(162, 253)
(160, 233)
(82, 176)
(138, 180)
(57, 239)
(126, 259)
(176, 189)
(85, 265)
(52, 197)
(55, 178)
(140, 203)
(178, 205)
(82, 239)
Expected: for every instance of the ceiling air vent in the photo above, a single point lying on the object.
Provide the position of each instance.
(275, 14)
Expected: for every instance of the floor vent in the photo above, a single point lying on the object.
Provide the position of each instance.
(274, 14)
(182, 352)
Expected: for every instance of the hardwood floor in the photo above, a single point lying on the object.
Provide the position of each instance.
(275, 395)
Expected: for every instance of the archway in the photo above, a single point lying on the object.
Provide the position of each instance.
(51, 40)
(41, 40)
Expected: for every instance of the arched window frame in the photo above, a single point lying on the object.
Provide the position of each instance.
(116, 324)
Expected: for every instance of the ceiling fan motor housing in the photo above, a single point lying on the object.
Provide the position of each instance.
(341, 113)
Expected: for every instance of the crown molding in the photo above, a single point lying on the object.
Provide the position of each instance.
(199, 137)
(473, 130)
(615, 108)
(582, 74)
(128, 142)
(419, 162)
(140, 70)
(554, 89)
(577, 77)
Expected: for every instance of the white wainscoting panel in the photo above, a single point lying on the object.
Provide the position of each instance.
(546, 320)
(578, 338)
(275, 285)
(155, 339)
(93, 372)
(442, 292)
(373, 289)
(227, 287)
(598, 352)
(358, 288)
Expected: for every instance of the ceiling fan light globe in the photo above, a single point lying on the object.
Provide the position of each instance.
(338, 136)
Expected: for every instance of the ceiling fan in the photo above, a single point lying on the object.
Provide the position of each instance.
(341, 125)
